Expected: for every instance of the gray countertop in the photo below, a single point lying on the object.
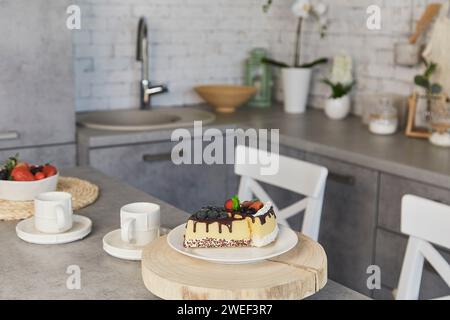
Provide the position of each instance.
(30, 271)
(348, 140)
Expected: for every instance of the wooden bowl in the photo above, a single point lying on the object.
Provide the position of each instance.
(225, 98)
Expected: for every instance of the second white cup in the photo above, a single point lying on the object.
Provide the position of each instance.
(53, 212)
(139, 222)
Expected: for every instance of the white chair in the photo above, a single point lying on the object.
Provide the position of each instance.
(426, 222)
(294, 175)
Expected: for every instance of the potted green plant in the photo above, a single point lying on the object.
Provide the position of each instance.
(338, 105)
(297, 77)
(423, 81)
(436, 108)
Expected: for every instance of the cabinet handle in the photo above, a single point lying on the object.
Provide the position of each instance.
(342, 179)
(10, 135)
(159, 157)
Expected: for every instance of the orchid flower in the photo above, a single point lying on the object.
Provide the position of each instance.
(342, 69)
(303, 9)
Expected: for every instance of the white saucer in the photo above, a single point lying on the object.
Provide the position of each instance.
(285, 241)
(26, 231)
(113, 245)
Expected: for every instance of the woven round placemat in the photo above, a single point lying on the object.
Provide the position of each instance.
(83, 193)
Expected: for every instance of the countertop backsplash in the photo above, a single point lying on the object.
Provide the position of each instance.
(372, 50)
(206, 41)
(191, 42)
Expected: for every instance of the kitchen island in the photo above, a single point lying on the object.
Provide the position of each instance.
(29, 271)
(368, 176)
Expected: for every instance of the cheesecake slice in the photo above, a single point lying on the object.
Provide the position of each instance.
(248, 224)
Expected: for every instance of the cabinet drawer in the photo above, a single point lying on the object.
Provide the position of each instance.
(390, 252)
(393, 188)
(347, 230)
(149, 168)
(63, 156)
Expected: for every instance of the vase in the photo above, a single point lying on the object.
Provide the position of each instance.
(337, 109)
(296, 83)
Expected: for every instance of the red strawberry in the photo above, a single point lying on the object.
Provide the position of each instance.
(22, 164)
(232, 204)
(228, 205)
(39, 176)
(49, 170)
(257, 205)
(22, 173)
(246, 204)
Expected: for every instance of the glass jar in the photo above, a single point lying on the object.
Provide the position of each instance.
(440, 120)
(384, 118)
(258, 74)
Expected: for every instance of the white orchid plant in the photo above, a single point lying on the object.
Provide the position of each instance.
(303, 9)
(341, 81)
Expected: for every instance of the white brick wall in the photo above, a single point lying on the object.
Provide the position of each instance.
(206, 41)
(191, 42)
(373, 51)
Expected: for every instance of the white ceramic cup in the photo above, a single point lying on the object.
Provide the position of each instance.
(53, 212)
(139, 222)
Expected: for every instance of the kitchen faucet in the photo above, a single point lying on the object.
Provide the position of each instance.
(147, 90)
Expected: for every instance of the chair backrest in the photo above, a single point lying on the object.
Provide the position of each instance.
(294, 175)
(426, 222)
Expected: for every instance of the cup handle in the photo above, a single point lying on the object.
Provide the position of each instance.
(126, 229)
(61, 217)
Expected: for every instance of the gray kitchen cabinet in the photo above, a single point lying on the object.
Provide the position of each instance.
(63, 156)
(393, 188)
(383, 293)
(390, 251)
(149, 168)
(348, 224)
(36, 74)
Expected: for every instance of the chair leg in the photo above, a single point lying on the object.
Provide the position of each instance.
(411, 275)
(312, 217)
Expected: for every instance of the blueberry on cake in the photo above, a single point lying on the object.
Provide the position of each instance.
(236, 224)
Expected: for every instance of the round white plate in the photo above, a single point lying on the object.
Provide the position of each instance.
(26, 231)
(114, 246)
(286, 240)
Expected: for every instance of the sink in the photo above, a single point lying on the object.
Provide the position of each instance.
(139, 120)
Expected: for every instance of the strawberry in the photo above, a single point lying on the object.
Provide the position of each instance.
(232, 204)
(22, 164)
(39, 176)
(49, 170)
(246, 204)
(22, 173)
(257, 205)
(228, 205)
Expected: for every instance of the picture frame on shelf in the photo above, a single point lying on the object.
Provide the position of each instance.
(415, 126)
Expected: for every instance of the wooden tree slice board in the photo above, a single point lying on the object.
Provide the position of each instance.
(296, 274)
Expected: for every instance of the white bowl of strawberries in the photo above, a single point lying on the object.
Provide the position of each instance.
(20, 181)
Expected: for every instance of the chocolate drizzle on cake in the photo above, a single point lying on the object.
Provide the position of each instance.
(210, 215)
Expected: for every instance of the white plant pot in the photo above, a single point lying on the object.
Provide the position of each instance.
(296, 83)
(337, 109)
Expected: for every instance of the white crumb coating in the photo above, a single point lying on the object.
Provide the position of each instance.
(264, 241)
